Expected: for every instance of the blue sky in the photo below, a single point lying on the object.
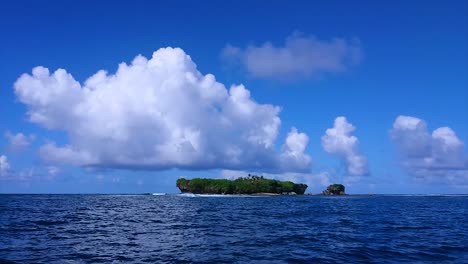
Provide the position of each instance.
(396, 72)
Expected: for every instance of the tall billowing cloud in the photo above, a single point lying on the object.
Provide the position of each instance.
(4, 166)
(293, 153)
(339, 141)
(158, 113)
(300, 57)
(438, 155)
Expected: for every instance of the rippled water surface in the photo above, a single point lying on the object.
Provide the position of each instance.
(175, 229)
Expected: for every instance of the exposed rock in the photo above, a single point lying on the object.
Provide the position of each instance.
(335, 189)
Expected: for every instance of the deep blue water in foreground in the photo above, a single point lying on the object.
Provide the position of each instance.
(175, 229)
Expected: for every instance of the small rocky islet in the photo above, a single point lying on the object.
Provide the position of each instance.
(334, 189)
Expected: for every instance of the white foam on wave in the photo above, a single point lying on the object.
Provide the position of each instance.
(186, 195)
(158, 194)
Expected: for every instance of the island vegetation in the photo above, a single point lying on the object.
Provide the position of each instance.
(335, 189)
(252, 184)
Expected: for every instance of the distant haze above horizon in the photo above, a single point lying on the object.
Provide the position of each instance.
(129, 97)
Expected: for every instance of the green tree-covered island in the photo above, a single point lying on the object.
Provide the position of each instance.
(244, 185)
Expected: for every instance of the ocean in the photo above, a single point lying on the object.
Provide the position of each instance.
(233, 229)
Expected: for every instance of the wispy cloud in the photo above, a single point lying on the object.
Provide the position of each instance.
(300, 57)
(19, 141)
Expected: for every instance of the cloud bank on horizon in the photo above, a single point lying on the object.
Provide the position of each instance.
(158, 113)
(301, 57)
(437, 156)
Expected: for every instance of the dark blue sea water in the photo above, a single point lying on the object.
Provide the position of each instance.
(175, 229)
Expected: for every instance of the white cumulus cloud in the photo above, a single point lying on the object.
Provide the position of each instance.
(53, 170)
(4, 166)
(437, 155)
(158, 113)
(293, 153)
(339, 141)
(19, 141)
(300, 57)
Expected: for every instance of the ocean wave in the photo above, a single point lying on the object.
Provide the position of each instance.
(186, 195)
(211, 229)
